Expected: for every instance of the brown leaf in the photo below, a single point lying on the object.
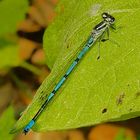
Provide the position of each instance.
(38, 57)
(109, 132)
(26, 48)
(28, 25)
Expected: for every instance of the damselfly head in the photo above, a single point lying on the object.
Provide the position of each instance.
(108, 18)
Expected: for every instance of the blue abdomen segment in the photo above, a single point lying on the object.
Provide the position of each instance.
(71, 68)
(85, 49)
(28, 126)
(90, 41)
(60, 84)
(50, 96)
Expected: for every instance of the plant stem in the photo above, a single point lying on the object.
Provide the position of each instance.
(31, 68)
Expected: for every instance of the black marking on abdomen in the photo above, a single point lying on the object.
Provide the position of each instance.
(77, 59)
(89, 43)
(53, 91)
(65, 76)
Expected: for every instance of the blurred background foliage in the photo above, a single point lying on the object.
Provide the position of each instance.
(23, 68)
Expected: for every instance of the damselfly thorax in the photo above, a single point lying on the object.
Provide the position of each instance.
(104, 25)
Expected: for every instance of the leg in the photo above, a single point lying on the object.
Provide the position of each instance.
(113, 41)
(105, 39)
(100, 39)
(99, 49)
(113, 27)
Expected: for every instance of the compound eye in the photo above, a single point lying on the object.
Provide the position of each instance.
(104, 15)
(112, 20)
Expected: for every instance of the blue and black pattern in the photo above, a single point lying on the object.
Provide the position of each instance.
(97, 32)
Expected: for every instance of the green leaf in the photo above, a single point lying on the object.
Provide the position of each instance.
(98, 90)
(122, 136)
(138, 137)
(9, 54)
(11, 12)
(6, 122)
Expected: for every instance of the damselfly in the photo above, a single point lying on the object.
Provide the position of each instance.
(97, 34)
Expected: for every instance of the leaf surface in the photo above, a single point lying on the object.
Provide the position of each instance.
(6, 121)
(97, 90)
(11, 12)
